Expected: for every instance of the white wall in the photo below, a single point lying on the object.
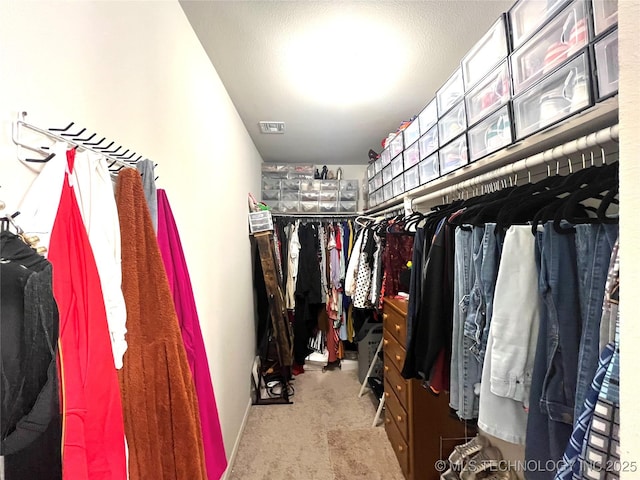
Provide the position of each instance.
(135, 72)
(629, 59)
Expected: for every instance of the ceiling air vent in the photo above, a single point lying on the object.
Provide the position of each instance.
(271, 127)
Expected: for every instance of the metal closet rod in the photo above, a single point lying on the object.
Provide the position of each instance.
(120, 160)
(561, 152)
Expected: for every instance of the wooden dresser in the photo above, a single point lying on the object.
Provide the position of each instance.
(415, 419)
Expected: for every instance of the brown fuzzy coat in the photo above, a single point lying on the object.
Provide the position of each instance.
(160, 406)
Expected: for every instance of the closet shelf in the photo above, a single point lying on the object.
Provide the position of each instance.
(600, 116)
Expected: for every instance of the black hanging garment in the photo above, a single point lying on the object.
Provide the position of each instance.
(308, 292)
(30, 420)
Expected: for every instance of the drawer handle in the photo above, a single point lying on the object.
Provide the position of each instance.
(400, 448)
(397, 327)
(398, 358)
(386, 368)
(388, 420)
(399, 388)
(386, 394)
(399, 417)
(385, 342)
(385, 316)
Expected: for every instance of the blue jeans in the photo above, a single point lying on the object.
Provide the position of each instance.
(594, 244)
(552, 400)
(486, 259)
(465, 368)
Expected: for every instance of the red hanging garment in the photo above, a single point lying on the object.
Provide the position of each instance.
(93, 429)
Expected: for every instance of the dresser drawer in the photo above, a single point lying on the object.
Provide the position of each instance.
(398, 384)
(396, 413)
(399, 446)
(393, 350)
(395, 323)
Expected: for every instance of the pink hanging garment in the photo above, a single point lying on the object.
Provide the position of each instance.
(180, 284)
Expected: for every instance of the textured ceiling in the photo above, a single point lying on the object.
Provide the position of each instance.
(289, 61)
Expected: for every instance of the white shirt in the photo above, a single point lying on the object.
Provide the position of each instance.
(352, 269)
(292, 269)
(94, 192)
(39, 206)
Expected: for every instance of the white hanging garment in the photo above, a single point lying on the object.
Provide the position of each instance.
(94, 192)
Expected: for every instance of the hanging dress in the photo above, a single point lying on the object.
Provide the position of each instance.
(180, 285)
(159, 400)
(93, 446)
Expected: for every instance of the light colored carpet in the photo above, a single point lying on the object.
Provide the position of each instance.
(325, 435)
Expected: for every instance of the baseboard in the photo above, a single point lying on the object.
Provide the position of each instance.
(234, 452)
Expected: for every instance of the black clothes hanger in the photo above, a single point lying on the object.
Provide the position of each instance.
(522, 208)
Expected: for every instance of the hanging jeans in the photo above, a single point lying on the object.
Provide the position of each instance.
(554, 379)
(465, 368)
(594, 244)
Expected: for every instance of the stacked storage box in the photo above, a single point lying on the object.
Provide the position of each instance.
(538, 64)
(292, 189)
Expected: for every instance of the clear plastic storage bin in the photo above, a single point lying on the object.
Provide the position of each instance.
(378, 181)
(269, 183)
(490, 135)
(378, 165)
(559, 95)
(450, 93)
(372, 186)
(526, 16)
(260, 221)
(290, 196)
(307, 185)
(273, 204)
(428, 117)
(289, 206)
(328, 207)
(309, 196)
(429, 169)
(397, 166)
(411, 156)
(398, 186)
(429, 142)
(486, 54)
(454, 155)
(380, 195)
(387, 192)
(387, 176)
(348, 184)
(270, 194)
(347, 206)
(348, 195)
(291, 185)
(493, 92)
(411, 178)
(373, 200)
(371, 170)
(328, 196)
(301, 171)
(452, 124)
(385, 157)
(554, 44)
(309, 207)
(329, 185)
(607, 64)
(396, 145)
(411, 133)
(605, 14)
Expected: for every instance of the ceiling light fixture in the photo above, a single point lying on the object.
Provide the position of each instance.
(339, 61)
(271, 127)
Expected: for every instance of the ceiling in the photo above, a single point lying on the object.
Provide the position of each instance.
(341, 75)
